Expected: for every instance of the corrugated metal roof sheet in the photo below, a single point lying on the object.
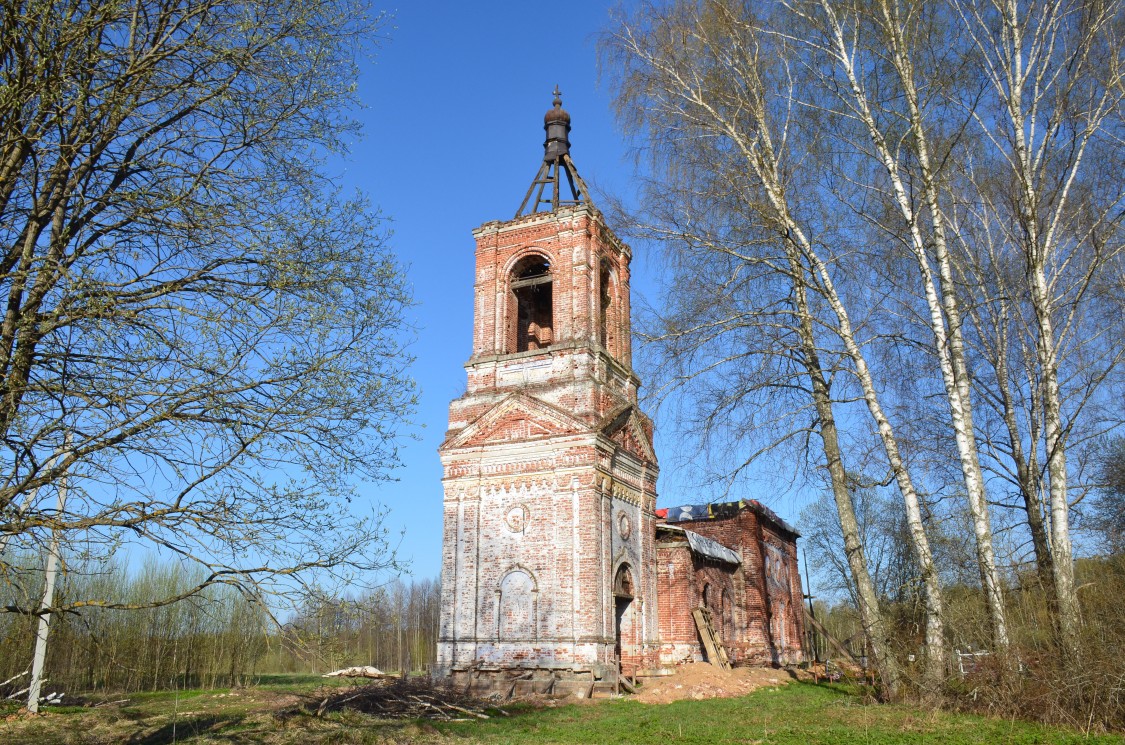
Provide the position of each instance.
(711, 549)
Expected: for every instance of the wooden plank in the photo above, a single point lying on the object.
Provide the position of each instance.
(839, 648)
(716, 654)
(723, 659)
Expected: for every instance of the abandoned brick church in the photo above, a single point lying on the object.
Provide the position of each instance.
(557, 568)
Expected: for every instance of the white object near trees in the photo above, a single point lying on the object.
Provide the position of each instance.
(51, 573)
(364, 671)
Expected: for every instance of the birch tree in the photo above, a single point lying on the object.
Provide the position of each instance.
(879, 39)
(952, 129)
(710, 75)
(943, 180)
(1052, 118)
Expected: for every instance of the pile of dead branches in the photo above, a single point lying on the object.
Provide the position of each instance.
(410, 698)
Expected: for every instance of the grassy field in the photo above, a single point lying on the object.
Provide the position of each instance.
(797, 713)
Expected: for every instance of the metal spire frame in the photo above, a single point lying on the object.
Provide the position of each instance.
(556, 162)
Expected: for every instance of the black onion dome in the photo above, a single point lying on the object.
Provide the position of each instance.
(556, 114)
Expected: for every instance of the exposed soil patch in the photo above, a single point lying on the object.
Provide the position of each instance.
(699, 680)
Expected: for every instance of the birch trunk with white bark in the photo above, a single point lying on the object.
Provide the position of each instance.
(754, 146)
(763, 160)
(871, 616)
(1055, 96)
(939, 291)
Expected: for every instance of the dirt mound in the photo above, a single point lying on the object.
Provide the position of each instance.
(700, 680)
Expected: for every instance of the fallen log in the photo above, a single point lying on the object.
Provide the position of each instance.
(478, 715)
(14, 678)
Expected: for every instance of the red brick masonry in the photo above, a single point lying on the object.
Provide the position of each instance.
(550, 559)
(755, 604)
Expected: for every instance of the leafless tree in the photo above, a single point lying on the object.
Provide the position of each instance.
(1050, 120)
(187, 297)
(872, 48)
(1109, 505)
(942, 178)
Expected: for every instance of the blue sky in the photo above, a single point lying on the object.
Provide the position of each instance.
(453, 136)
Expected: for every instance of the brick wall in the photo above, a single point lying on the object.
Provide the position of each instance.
(583, 254)
(550, 483)
(768, 621)
(544, 501)
(689, 581)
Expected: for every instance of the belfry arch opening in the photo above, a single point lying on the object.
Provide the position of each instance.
(532, 317)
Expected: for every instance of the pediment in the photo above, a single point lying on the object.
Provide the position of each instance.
(518, 417)
(623, 426)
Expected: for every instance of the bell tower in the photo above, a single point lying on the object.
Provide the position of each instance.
(549, 475)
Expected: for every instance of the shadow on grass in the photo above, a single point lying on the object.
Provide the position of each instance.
(244, 730)
(185, 728)
(840, 689)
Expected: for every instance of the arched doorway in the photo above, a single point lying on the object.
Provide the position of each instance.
(623, 598)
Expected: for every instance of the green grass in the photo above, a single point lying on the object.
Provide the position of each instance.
(798, 713)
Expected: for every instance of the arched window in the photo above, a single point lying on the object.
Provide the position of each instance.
(532, 321)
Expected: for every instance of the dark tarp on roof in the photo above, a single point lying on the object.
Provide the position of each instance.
(720, 510)
(688, 512)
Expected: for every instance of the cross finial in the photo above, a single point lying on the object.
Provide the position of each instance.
(558, 97)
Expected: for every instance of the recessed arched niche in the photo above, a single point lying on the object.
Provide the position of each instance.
(516, 606)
